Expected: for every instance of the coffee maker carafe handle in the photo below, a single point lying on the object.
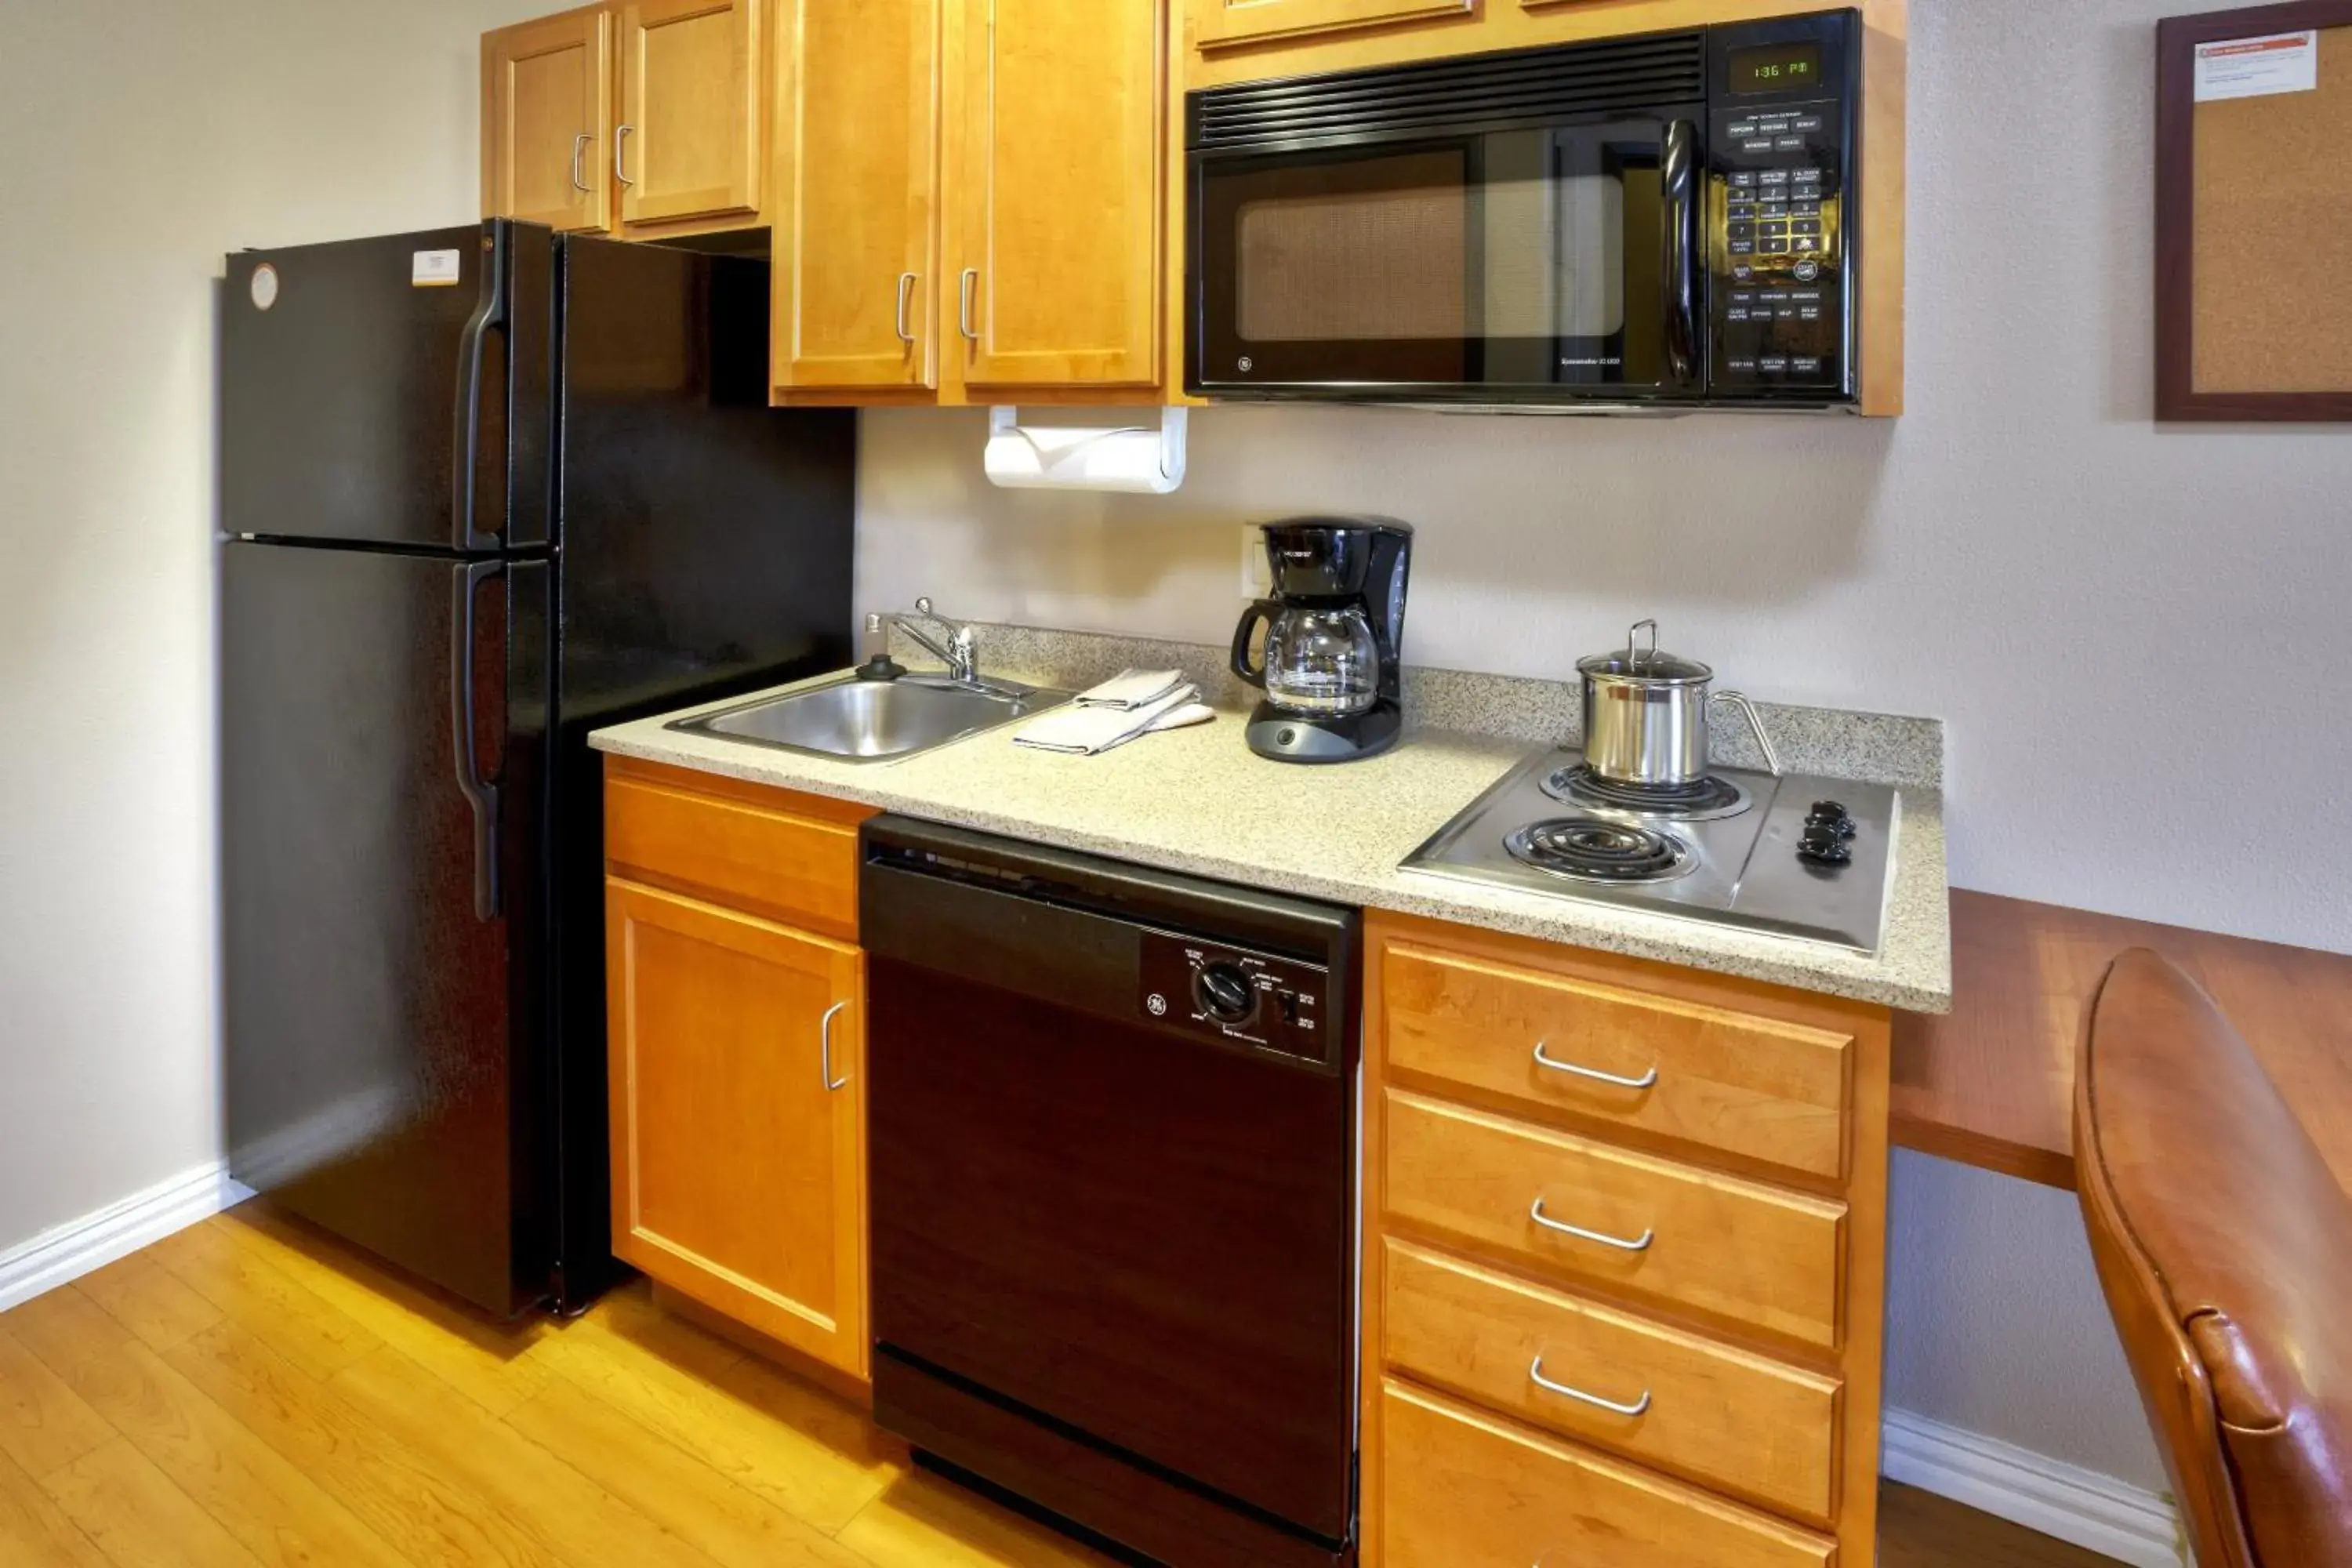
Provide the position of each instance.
(1263, 610)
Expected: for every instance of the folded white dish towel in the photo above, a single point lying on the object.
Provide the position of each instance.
(1131, 688)
(1080, 730)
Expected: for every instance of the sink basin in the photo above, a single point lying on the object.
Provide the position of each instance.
(874, 721)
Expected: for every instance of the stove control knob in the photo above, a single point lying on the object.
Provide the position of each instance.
(1825, 845)
(1830, 816)
(1225, 992)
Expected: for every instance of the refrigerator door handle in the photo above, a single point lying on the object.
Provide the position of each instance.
(489, 316)
(464, 583)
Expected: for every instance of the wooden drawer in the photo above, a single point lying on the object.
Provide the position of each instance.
(1740, 1251)
(1732, 1081)
(1460, 1489)
(1717, 1414)
(792, 858)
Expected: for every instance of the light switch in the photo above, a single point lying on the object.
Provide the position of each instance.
(1257, 582)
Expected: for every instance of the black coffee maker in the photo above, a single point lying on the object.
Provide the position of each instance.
(1329, 670)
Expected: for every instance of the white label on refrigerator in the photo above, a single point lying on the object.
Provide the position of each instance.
(2255, 68)
(432, 268)
(264, 287)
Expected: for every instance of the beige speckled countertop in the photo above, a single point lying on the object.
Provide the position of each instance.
(1198, 801)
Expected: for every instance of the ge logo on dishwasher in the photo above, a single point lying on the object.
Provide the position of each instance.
(1157, 1005)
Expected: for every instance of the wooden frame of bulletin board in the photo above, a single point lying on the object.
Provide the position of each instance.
(2253, 213)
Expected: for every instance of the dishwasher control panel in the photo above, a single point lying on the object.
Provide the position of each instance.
(1252, 999)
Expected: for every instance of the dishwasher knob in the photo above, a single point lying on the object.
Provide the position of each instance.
(1225, 992)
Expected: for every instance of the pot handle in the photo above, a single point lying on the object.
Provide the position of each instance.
(1263, 610)
(1755, 727)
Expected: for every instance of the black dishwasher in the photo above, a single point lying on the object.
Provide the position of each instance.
(1112, 1121)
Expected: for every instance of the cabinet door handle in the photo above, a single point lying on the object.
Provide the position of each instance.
(966, 287)
(906, 295)
(1534, 1374)
(621, 134)
(1639, 1244)
(1595, 1074)
(580, 145)
(824, 1048)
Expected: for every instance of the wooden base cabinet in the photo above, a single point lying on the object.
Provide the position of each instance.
(1624, 1261)
(737, 1056)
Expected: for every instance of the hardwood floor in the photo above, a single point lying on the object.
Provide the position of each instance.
(248, 1393)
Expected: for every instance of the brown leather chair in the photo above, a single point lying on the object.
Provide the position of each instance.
(2225, 1248)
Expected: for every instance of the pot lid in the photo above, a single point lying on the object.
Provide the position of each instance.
(1648, 665)
(1647, 668)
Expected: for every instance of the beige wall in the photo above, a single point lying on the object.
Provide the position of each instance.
(2127, 628)
(142, 140)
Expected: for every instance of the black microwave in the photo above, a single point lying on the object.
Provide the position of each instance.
(1658, 221)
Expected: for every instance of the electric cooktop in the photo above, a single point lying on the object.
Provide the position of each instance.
(1790, 854)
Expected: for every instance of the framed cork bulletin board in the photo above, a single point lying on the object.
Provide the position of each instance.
(2253, 213)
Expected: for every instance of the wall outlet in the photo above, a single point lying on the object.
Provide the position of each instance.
(1257, 582)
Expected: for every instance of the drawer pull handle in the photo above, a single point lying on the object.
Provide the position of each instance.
(1639, 1244)
(824, 1047)
(1646, 1081)
(1638, 1407)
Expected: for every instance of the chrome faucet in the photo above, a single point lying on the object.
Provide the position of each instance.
(956, 647)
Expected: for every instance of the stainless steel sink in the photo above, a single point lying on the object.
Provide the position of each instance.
(857, 720)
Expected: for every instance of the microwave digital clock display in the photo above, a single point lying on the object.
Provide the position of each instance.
(1776, 68)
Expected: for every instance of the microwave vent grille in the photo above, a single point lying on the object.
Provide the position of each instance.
(1524, 87)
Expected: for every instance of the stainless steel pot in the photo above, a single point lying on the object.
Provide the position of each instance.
(1645, 714)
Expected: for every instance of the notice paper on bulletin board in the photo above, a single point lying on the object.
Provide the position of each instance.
(2254, 214)
(2256, 67)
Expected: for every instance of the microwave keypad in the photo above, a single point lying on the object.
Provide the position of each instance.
(1774, 208)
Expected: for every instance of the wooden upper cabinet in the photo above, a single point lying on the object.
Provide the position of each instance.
(1055, 268)
(856, 184)
(547, 122)
(1218, 22)
(691, 138)
(737, 1076)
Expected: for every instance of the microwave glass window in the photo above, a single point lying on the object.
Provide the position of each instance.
(1519, 258)
(1777, 68)
(1376, 264)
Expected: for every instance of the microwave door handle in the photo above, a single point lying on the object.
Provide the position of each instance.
(1679, 182)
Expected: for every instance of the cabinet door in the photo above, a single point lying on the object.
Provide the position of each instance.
(1057, 238)
(1232, 21)
(546, 121)
(737, 1052)
(856, 175)
(690, 135)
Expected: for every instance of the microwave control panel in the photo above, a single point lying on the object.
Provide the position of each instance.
(1779, 207)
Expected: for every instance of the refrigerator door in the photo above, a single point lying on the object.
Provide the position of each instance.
(357, 378)
(708, 544)
(382, 784)
(707, 537)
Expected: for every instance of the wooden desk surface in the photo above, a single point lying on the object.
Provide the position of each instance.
(1992, 1083)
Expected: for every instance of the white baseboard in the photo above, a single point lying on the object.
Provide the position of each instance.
(68, 1251)
(2096, 1512)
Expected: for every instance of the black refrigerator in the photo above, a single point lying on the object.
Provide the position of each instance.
(484, 490)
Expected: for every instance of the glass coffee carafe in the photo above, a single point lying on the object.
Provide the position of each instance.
(1321, 661)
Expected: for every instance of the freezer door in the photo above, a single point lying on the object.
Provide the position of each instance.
(357, 378)
(382, 920)
(708, 538)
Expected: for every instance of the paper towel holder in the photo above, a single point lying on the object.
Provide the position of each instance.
(1135, 459)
